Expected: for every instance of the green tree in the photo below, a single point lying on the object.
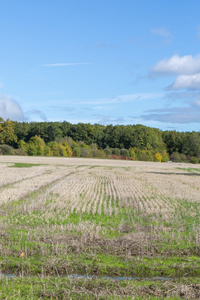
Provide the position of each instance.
(54, 148)
(191, 144)
(23, 146)
(132, 153)
(77, 151)
(37, 143)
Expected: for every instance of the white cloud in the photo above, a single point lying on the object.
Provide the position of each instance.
(161, 31)
(10, 109)
(186, 82)
(185, 65)
(187, 69)
(64, 64)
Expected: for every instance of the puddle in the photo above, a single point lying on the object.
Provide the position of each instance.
(117, 278)
(101, 277)
(6, 275)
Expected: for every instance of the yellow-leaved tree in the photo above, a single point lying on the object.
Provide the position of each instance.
(7, 134)
(158, 156)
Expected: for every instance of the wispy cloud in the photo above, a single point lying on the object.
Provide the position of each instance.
(106, 120)
(161, 31)
(178, 115)
(68, 109)
(64, 64)
(38, 115)
(102, 45)
(10, 109)
(125, 98)
(188, 95)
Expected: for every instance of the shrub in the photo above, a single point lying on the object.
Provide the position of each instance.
(165, 156)
(77, 151)
(101, 153)
(132, 153)
(108, 151)
(63, 140)
(183, 157)
(150, 155)
(113, 156)
(175, 156)
(54, 149)
(124, 153)
(144, 156)
(116, 151)
(32, 149)
(6, 150)
(20, 152)
(47, 151)
(67, 149)
(35, 146)
(85, 152)
(194, 160)
(22, 146)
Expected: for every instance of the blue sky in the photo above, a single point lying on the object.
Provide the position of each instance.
(101, 61)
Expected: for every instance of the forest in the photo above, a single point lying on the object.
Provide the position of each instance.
(135, 142)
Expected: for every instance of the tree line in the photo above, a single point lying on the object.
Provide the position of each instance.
(136, 142)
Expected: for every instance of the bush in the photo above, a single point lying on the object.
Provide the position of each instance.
(20, 152)
(54, 148)
(165, 156)
(85, 152)
(35, 146)
(47, 151)
(183, 157)
(22, 146)
(194, 160)
(64, 150)
(101, 153)
(116, 151)
(66, 139)
(95, 153)
(32, 149)
(144, 156)
(108, 151)
(77, 151)
(124, 153)
(175, 156)
(6, 150)
(113, 156)
(132, 153)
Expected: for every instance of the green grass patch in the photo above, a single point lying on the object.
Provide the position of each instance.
(38, 287)
(24, 165)
(189, 169)
(101, 265)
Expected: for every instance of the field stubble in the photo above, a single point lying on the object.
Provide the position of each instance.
(101, 217)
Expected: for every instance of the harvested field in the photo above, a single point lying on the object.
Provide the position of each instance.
(103, 218)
